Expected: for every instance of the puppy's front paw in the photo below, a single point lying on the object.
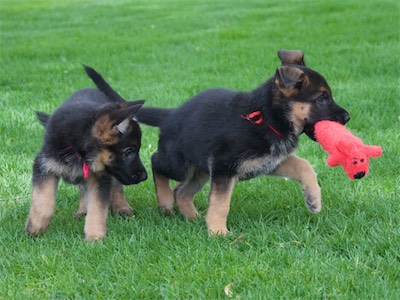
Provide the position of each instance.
(94, 230)
(33, 228)
(94, 234)
(216, 226)
(220, 231)
(93, 238)
(312, 197)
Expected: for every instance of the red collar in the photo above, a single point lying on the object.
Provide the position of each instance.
(257, 118)
(85, 166)
(86, 170)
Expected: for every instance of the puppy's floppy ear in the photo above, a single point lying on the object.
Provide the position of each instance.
(110, 125)
(291, 57)
(289, 80)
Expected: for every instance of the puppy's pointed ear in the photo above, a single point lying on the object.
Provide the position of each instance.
(289, 80)
(122, 127)
(291, 57)
(124, 115)
(109, 126)
(129, 108)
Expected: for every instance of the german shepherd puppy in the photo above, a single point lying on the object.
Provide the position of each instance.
(91, 140)
(228, 136)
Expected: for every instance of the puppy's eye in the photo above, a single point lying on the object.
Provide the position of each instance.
(324, 98)
(129, 152)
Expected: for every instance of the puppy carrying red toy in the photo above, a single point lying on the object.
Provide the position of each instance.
(345, 149)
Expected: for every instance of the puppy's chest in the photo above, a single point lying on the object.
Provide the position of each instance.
(70, 172)
(253, 167)
(266, 163)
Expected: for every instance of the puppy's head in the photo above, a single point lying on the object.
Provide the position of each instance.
(306, 93)
(119, 137)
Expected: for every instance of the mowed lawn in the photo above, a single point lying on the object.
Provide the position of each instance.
(166, 51)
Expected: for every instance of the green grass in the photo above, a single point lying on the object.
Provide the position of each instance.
(165, 52)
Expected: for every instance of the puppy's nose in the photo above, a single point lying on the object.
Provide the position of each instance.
(140, 176)
(143, 176)
(359, 175)
(346, 117)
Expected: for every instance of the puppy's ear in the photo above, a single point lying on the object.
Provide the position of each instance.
(124, 115)
(289, 80)
(291, 57)
(43, 117)
(109, 126)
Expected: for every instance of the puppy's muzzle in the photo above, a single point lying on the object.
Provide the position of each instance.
(139, 176)
(344, 118)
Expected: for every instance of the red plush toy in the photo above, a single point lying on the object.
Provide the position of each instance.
(345, 149)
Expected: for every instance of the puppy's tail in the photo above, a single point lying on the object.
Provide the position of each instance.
(152, 116)
(43, 117)
(103, 85)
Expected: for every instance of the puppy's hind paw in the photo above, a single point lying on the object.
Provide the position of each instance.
(166, 211)
(79, 214)
(123, 212)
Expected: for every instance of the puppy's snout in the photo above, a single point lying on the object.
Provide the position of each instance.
(140, 176)
(359, 175)
(345, 117)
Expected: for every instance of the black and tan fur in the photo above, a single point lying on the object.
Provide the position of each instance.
(93, 130)
(227, 136)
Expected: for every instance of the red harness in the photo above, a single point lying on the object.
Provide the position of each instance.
(257, 118)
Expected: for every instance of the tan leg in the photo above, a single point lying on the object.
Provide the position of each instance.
(184, 194)
(97, 209)
(219, 204)
(300, 169)
(119, 205)
(82, 210)
(43, 205)
(165, 196)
